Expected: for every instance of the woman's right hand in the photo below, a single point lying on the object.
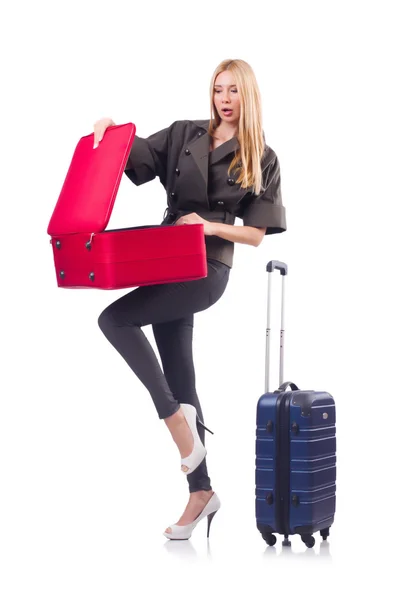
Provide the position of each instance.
(100, 128)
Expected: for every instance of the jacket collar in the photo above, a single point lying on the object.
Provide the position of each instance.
(229, 146)
(222, 150)
(200, 149)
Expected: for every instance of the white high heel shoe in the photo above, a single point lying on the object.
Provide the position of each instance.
(183, 532)
(199, 452)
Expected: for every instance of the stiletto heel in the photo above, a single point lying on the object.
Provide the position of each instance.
(209, 520)
(202, 425)
(183, 532)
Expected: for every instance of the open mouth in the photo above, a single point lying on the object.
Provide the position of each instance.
(227, 111)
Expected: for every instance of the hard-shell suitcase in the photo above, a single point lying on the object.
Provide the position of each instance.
(295, 470)
(87, 256)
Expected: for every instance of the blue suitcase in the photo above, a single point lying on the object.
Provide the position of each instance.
(295, 464)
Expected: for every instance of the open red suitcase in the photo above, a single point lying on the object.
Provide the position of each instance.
(88, 256)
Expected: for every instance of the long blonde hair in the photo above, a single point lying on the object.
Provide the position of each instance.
(247, 160)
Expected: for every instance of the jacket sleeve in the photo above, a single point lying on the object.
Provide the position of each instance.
(266, 209)
(148, 158)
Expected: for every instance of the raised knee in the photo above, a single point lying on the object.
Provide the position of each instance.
(104, 320)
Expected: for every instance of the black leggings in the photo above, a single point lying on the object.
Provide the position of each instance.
(170, 309)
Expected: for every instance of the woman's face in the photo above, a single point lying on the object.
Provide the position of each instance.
(226, 97)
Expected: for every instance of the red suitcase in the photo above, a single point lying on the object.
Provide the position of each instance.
(88, 256)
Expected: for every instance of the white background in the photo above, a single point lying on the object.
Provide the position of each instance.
(89, 475)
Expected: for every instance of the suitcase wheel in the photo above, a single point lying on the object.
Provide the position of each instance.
(324, 533)
(269, 538)
(308, 540)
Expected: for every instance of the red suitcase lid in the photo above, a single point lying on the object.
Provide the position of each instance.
(92, 181)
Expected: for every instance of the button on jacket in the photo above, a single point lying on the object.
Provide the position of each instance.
(197, 180)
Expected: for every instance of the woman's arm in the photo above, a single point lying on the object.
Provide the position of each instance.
(148, 157)
(242, 234)
(266, 212)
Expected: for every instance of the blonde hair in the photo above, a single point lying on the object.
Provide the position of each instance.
(247, 160)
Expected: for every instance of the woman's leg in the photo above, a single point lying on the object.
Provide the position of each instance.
(122, 320)
(169, 308)
(174, 341)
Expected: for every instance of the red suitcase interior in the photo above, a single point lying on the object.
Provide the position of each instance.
(86, 255)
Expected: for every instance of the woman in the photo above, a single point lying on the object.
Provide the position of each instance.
(213, 171)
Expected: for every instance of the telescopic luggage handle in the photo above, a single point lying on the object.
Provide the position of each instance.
(270, 268)
(276, 264)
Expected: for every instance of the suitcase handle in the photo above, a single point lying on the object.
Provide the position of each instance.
(276, 264)
(270, 268)
(283, 387)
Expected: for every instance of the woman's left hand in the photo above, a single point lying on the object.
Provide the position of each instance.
(194, 218)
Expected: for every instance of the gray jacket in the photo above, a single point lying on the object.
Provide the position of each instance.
(196, 180)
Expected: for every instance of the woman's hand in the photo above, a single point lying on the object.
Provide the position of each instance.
(194, 218)
(100, 128)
